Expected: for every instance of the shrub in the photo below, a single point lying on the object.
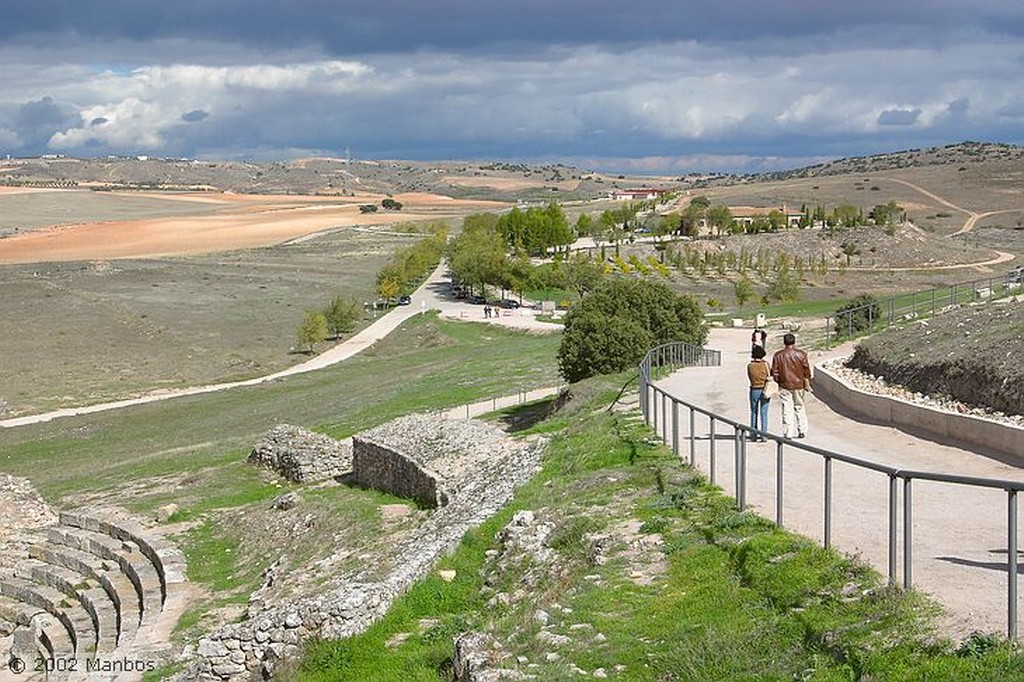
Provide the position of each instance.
(611, 328)
(858, 315)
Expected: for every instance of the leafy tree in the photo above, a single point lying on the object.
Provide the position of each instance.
(583, 274)
(312, 331)
(478, 255)
(389, 288)
(783, 286)
(390, 204)
(743, 290)
(584, 225)
(611, 327)
(368, 208)
(720, 219)
(342, 315)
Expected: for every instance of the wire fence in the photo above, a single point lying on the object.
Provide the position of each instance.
(901, 308)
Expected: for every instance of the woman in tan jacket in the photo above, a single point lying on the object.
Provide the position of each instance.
(758, 371)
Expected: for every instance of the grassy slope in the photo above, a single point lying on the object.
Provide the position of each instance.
(736, 598)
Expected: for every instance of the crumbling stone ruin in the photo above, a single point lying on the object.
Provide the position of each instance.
(463, 471)
(302, 456)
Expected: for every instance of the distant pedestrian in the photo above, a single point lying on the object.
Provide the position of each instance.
(758, 372)
(487, 311)
(758, 338)
(792, 370)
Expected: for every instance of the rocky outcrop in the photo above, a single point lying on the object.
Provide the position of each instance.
(302, 456)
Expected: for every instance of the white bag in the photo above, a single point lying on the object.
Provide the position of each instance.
(771, 389)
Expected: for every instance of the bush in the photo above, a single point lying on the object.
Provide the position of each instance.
(611, 328)
(858, 315)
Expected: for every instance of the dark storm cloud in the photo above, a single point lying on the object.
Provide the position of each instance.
(368, 26)
(750, 82)
(899, 117)
(194, 116)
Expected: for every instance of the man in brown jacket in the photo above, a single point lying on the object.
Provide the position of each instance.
(791, 369)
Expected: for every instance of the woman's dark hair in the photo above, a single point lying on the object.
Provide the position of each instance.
(757, 352)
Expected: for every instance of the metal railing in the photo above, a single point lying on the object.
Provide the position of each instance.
(663, 359)
(667, 427)
(899, 308)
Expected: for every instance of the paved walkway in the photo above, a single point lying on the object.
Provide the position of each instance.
(959, 532)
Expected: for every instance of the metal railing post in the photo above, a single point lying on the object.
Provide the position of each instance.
(711, 447)
(779, 486)
(693, 436)
(908, 535)
(654, 408)
(1011, 555)
(739, 445)
(828, 502)
(664, 418)
(675, 426)
(893, 491)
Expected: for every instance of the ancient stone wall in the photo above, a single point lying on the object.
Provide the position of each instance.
(477, 468)
(379, 467)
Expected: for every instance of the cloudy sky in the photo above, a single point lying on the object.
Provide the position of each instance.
(645, 85)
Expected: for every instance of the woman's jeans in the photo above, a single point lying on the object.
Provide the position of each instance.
(758, 404)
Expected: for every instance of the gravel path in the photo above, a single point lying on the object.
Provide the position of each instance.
(959, 532)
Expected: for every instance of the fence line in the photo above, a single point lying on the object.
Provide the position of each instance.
(905, 307)
(664, 359)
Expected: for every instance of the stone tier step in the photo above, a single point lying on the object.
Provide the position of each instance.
(84, 587)
(117, 587)
(65, 608)
(94, 598)
(131, 561)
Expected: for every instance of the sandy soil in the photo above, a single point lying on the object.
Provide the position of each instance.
(245, 221)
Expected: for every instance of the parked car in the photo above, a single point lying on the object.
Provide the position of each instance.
(460, 294)
(404, 300)
(509, 303)
(477, 299)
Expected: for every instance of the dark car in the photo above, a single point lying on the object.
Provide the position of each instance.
(509, 303)
(476, 299)
(404, 300)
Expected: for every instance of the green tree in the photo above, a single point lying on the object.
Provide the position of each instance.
(720, 219)
(478, 256)
(584, 225)
(783, 286)
(342, 314)
(743, 290)
(390, 204)
(583, 274)
(611, 327)
(312, 331)
(389, 288)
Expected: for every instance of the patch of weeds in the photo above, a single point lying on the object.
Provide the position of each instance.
(569, 536)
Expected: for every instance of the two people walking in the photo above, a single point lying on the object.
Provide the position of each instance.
(791, 370)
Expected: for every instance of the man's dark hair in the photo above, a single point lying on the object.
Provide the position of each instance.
(788, 340)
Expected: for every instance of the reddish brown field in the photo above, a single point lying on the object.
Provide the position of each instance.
(236, 221)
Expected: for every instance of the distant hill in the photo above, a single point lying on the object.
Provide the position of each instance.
(961, 154)
(323, 176)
